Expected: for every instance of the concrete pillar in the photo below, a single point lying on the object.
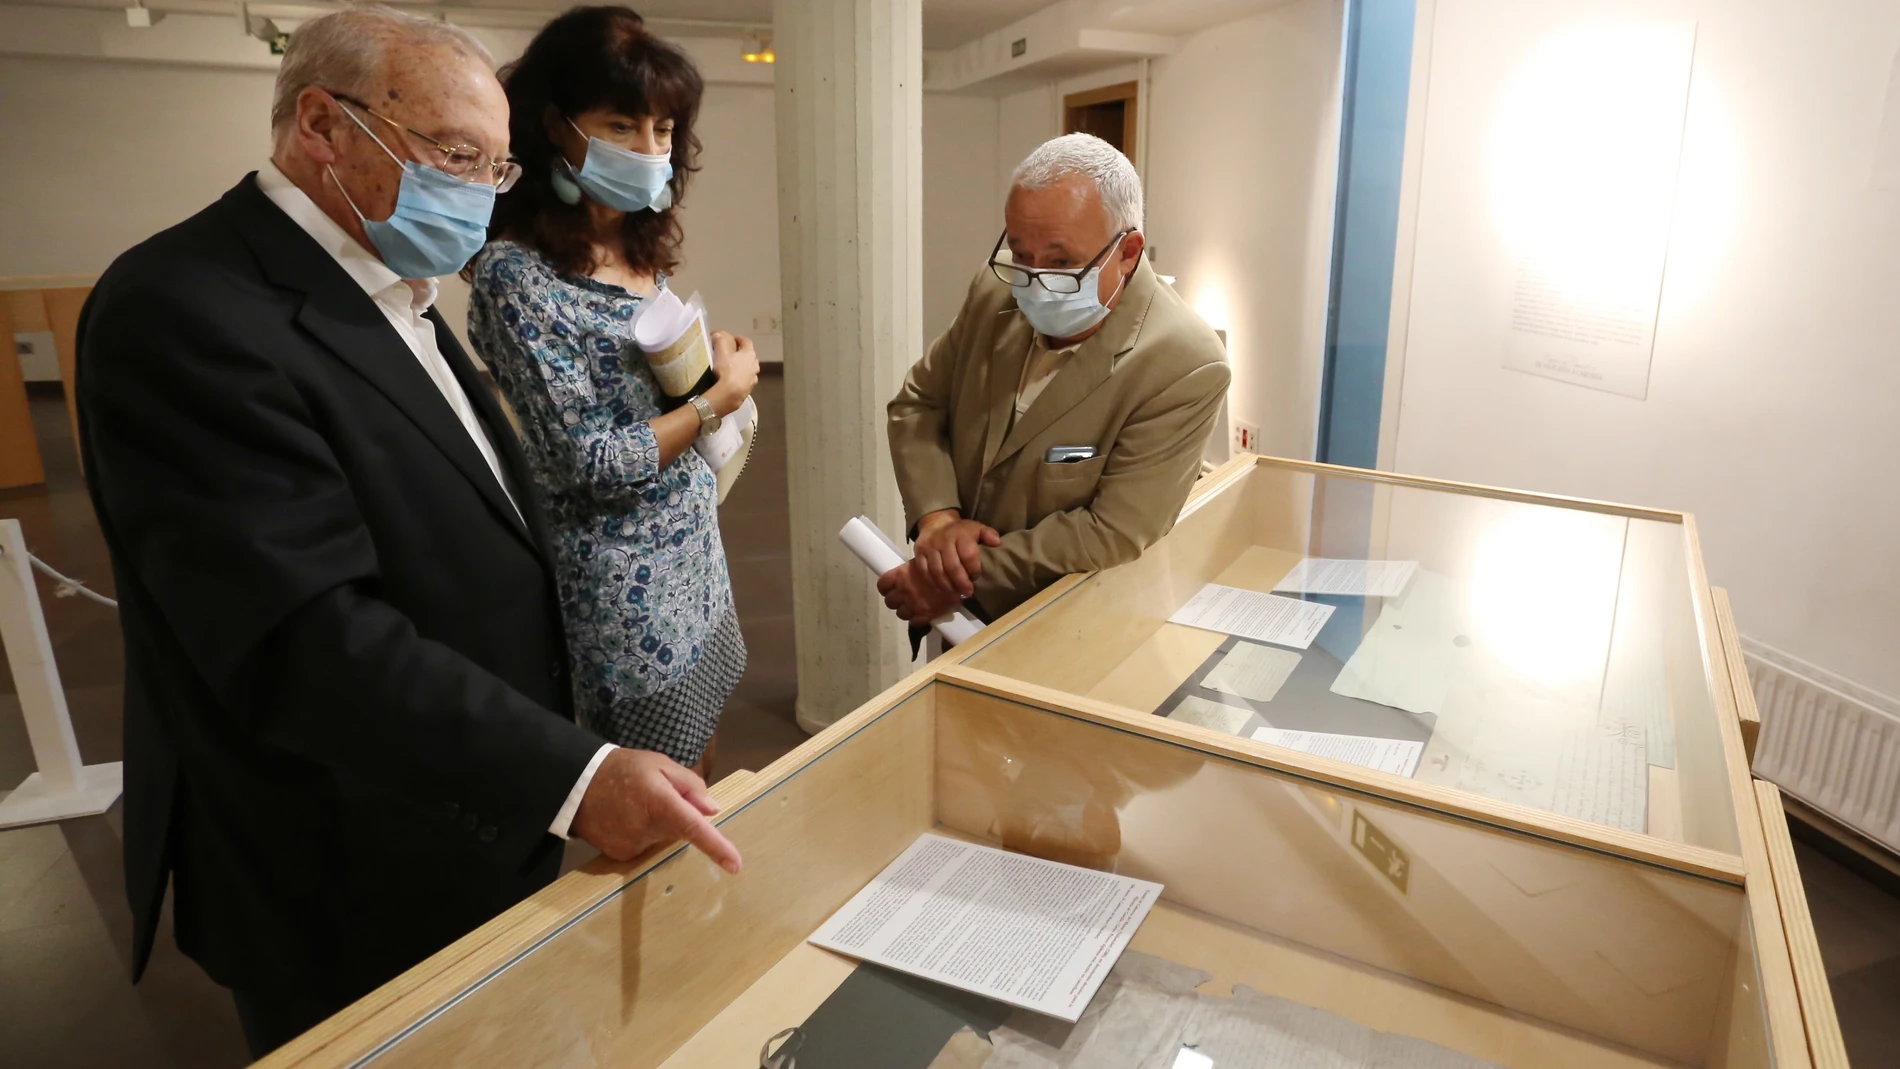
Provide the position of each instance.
(850, 159)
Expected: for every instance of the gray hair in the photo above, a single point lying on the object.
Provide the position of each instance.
(1086, 154)
(344, 51)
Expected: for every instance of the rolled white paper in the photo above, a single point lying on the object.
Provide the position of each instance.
(880, 554)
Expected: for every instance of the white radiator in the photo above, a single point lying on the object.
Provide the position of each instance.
(1828, 741)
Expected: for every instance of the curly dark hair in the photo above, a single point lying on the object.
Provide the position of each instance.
(587, 58)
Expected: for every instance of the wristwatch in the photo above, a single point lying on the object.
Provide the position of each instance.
(709, 421)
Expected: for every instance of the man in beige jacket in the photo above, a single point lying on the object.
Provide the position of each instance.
(1058, 425)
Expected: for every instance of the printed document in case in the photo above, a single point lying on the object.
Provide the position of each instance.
(1251, 614)
(1032, 933)
(1397, 756)
(1252, 671)
(1368, 578)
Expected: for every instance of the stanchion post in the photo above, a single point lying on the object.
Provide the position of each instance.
(63, 787)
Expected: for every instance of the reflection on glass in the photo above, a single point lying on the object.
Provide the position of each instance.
(1294, 916)
(1539, 655)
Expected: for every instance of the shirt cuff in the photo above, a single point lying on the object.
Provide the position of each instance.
(565, 816)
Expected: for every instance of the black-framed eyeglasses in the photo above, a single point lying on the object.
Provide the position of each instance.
(1067, 280)
(466, 162)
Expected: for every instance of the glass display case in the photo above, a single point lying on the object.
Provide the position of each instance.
(1575, 869)
(1543, 653)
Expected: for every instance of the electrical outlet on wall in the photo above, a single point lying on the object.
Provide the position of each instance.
(765, 324)
(1246, 437)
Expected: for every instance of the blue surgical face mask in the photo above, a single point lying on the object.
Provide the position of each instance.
(621, 179)
(1064, 315)
(439, 224)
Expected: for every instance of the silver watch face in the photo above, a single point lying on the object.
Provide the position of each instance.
(709, 420)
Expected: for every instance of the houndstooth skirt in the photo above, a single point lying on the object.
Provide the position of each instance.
(679, 719)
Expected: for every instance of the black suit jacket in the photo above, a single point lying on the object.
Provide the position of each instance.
(347, 716)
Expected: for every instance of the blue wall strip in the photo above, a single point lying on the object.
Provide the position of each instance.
(1377, 82)
(1378, 76)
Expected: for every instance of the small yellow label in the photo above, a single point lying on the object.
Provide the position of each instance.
(1384, 854)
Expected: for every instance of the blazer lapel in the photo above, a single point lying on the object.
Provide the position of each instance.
(1010, 352)
(346, 320)
(1086, 370)
(501, 433)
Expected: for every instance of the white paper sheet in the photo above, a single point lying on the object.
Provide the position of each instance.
(1417, 647)
(1368, 578)
(1251, 614)
(1397, 756)
(1554, 756)
(1197, 710)
(1252, 671)
(1021, 930)
(1593, 136)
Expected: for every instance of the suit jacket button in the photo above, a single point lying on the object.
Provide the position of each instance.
(469, 820)
(554, 672)
(487, 834)
(453, 810)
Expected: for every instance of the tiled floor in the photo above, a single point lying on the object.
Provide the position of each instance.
(65, 929)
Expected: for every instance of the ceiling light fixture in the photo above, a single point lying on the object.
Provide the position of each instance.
(758, 49)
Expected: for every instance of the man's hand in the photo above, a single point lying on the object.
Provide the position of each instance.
(946, 555)
(639, 798)
(912, 600)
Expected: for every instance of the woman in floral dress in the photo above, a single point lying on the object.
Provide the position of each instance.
(602, 116)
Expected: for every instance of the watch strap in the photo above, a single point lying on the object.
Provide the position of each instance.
(708, 419)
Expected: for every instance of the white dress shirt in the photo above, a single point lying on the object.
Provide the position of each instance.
(403, 302)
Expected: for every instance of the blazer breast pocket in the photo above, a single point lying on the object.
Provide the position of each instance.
(1061, 487)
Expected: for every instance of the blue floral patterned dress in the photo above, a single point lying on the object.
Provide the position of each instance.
(644, 589)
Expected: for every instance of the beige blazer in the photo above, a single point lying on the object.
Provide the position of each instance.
(1145, 391)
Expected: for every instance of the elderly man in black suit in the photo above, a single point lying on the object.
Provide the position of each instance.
(349, 737)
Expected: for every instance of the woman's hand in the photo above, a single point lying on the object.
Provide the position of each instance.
(738, 366)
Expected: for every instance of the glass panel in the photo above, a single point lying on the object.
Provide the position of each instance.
(628, 980)
(1381, 913)
(1539, 655)
(1325, 906)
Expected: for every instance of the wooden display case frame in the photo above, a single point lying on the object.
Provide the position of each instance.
(764, 975)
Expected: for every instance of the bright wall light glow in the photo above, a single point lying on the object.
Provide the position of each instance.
(1543, 593)
(1211, 304)
(1585, 158)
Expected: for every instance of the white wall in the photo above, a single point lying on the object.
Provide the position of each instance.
(1242, 125)
(963, 203)
(1244, 144)
(731, 216)
(101, 155)
(1774, 380)
(1024, 120)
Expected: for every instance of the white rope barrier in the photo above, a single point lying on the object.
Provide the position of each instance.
(62, 786)
(65, 586)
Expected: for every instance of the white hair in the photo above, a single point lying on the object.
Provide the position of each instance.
(345, 51)
(1088, 155)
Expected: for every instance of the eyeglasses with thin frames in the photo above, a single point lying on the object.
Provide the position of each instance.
(1055, 281)
(466, 162)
